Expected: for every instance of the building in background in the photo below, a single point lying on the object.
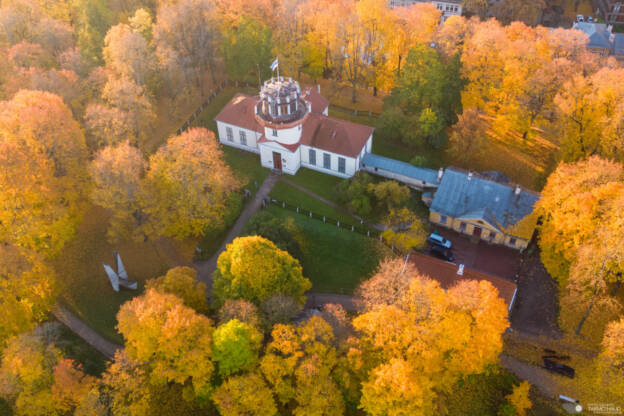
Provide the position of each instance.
(448, 7)
(476, 205)
(602, 40)
(612, 11)
(290, 128)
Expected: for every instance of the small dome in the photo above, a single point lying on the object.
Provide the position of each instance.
(280, 101)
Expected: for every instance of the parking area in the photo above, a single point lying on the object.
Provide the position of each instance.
(496, 260)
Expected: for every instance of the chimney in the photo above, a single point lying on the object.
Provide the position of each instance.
(460, 270)
(440, 173)
(318, 87)
(518, 190)
(470, 175)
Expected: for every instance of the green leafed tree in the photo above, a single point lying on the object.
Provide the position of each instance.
(235, 346)
(246, 48)
(254, 269)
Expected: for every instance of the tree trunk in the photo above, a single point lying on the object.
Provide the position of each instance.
(374, 90)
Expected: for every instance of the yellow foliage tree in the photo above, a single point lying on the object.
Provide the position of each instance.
(172, 339)
(187, 187)
(425, 341)
(42, 171)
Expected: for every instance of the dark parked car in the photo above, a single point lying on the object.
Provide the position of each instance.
(441, 252)
(558, 368)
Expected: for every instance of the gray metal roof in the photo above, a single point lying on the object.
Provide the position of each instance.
(597, 32)
(479, 197)
(400, 168)
(618, 44)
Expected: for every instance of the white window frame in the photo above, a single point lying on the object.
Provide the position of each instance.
(243, 137)
(312, 157)
(326, 161)
(342, 164)
(229, 133)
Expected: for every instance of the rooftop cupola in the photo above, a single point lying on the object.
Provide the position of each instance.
(280, 101)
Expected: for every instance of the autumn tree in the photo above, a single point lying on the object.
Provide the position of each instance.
(572, 205)
(299, 364)
(107, 126)
(235, 347)
(173, 340)
(27, 291)
(390, 282)
(245, 394)
(38, 135)
(187, 187)
(116, 173)
(241, 310)
(37, 380)
(399, 37)
(246, 47)
(518, 401)
(254, 269)
(408, 361)
(186, 37)
(134, 105)
(141, 22)
(280, 308)
(182, 282)
(127, 54)
(602, 378)
(469, 137)
(593, 116)
(405, 230)
(125, 387)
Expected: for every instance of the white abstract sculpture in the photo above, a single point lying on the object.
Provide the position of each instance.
(119, 278)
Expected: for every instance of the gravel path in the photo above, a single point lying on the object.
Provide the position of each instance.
(537, 376)
(81, 329)
(206, 267)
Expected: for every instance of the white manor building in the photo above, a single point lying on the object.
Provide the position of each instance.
(290, 128)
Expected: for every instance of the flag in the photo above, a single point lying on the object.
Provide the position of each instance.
(274, 65)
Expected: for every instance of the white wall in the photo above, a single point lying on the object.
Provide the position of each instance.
(252, 137)
(287, 136)
(351, 165)
(291, 161)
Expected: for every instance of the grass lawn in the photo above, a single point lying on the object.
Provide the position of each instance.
(84, 286)
(321, 184)
(335, 260)
(74, 347)
(293, 196)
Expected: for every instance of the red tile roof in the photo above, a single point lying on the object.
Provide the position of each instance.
(318, 131)
(319, 103)
(240, 112)
(334, 135)
(446, 274)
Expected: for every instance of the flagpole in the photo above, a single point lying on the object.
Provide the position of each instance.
(278, 78)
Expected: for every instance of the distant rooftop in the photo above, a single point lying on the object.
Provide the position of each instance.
(597, 33)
